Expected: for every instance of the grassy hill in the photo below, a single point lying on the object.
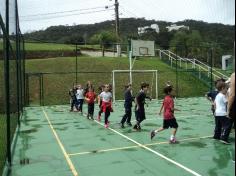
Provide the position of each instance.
(56, 85)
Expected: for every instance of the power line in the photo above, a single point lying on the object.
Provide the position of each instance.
(125, 10)
(61, 12)
(61, 16)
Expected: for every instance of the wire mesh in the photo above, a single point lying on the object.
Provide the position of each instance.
(11, 79)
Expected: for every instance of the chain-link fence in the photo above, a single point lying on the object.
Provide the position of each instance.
(11, 80)
(53, 88)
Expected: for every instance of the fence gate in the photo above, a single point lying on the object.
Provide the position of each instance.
(34, 89)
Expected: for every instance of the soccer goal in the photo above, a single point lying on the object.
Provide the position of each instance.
(120, 78)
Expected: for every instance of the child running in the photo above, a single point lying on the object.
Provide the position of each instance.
(139, 106)
(90, 97)
(106, 106)
(128, 106)
(169, 118)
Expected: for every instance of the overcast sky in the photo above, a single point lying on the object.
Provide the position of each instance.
(40, 14)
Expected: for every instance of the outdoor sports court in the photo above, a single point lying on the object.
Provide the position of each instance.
(55, 142)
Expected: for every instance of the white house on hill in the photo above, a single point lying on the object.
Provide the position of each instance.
(175, 27)
(142, 30)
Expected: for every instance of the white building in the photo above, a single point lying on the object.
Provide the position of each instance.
(227, 60)
(142, 30)
(175, 27)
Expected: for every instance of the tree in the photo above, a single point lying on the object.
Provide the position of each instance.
(179, 43)
(105, 38)
(193, 43)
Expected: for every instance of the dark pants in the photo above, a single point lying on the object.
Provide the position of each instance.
(140, 115)
(80, 103)
(107, 114)
(223, 127)
(73, 104)
(127, 116)
(213, 110)
(91, 109)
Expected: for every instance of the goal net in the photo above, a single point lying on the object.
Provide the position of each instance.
(120, 78)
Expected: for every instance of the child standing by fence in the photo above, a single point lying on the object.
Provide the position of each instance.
(73, 100)
(80, 98)
(169, 118)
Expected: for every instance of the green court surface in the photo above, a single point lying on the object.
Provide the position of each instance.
(55, 142)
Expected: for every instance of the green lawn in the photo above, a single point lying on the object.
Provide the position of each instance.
(2, 142)
(3, 136)
(47, 47)
(56, 86)
(55, 47)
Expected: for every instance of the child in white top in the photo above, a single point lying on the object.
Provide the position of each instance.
(80, 98)
(106, 106)
(222, 123)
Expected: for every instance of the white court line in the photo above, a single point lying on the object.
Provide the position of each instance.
(161, 118)
(72, 167)
(134, 146)
(155, 152)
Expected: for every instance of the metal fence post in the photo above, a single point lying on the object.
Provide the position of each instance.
(7, 87)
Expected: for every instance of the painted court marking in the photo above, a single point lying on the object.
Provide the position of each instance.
(133, 146)
(161, 118)
(72, 167)
(153, 151)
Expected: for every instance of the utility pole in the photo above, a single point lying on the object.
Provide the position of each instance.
(117, 21)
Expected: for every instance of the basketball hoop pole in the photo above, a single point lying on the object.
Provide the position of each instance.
(130, 67)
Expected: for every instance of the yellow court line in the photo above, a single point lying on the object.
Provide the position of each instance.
(72, 168)
(133, 146)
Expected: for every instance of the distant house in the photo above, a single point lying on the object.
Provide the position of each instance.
(175, 27)
(142, 30)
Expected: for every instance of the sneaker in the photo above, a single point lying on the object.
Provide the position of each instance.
(216, 138)
(129, 124)
(135, 127)
(153, 134)
(106, 125)
(225, 142)
(99, 118)
(122, 125)
(173, 141)
(139, 128)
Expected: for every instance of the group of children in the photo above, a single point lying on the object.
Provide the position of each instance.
(104, 98)
(219, 103)
(78, 95)
(218, 98)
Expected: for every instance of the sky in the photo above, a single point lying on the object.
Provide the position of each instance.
(40, 14)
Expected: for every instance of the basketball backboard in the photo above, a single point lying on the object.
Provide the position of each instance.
(142, 48)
